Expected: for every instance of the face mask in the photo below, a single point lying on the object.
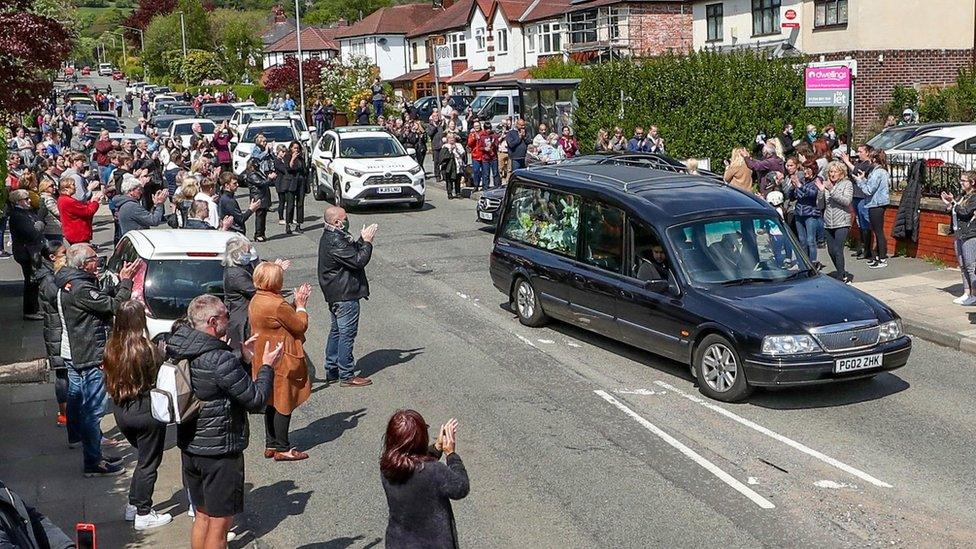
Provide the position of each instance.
(812, 135)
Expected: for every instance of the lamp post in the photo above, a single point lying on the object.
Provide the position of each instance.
(183, 34)
(122, 38)
(301, 77)
(142, 47)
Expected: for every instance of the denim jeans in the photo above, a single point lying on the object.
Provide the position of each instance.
(489, 174)
(342, 336)
(807, 228)
(476, 170)
(86, 405)
(378, 108)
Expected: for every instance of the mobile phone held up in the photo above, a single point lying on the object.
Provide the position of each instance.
(85, 535)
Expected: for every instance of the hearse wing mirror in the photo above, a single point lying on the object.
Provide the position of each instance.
(658, 285)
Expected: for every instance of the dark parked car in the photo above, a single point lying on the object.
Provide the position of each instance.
(890, 138)
(184, 110)
(218, 112)
(687, 268)
(426, 105)
(98, 121)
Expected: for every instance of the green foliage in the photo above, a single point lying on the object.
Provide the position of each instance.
(347, 83)
(705, 103)
(953, 103)
(237, 36)
(557, 68)
(329, 11)
(198, 32)
(902, 97)
(162, 37)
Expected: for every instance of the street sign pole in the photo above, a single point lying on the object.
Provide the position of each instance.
(301, 76)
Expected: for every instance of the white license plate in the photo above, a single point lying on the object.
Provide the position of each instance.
(388, 190)
(485, 215)
(857, 363)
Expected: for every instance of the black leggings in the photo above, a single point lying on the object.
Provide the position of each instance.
(288, 200)
(453, 185)
(876, 216)
(32, 289)
(148, 437)
(835, 249)
(276, 430)
(260, 222)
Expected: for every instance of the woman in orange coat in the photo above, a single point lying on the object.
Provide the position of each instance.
(275, 320)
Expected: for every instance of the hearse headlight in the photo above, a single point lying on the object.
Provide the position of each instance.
(353, 172)
(789, 345)
(415, 170)
(890, 331)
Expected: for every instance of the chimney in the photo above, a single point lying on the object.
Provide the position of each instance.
(279, 14)
(441, 4)
(342, 23)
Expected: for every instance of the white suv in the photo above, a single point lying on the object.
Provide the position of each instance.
(362, 165)
(277, 132)
(177, 266)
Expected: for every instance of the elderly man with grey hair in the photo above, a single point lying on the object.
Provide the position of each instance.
(130, 211)
(213, 445)
(86, 314)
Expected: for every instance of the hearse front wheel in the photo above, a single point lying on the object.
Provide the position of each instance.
(526, 303)
(719, 370)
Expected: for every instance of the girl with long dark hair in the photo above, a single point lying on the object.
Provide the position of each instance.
(419, 488)
(131, 362)
(295, 187)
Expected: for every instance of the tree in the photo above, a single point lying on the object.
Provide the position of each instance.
(144, 13)
(238, 40)
(284, 79)
(32, 43)
(162, 36)
(347, 82)
(197, 23)
(330, 11)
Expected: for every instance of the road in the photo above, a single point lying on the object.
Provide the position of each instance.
(574, 440)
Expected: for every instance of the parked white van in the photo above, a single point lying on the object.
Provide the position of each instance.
(495, 105)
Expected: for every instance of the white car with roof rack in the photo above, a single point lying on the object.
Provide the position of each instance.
(277, 132)
(177, 265)
(305, 134)
(243, 116)
(364, 165)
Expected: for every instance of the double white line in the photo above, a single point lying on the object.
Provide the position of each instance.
(714, 469)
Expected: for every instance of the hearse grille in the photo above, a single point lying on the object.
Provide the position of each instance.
(847, 340)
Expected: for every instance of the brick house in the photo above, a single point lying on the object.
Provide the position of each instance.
(382, 37)
(317, 43)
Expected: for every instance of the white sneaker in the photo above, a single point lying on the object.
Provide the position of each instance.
(960, 299)
(231, 536)
(971, 300)
(130, 512)
(152, 520)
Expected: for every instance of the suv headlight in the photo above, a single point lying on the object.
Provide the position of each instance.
(415, 170)
(789, 345)
(353, 172)
(890, 331)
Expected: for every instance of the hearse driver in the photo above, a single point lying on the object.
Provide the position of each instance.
(653, 265)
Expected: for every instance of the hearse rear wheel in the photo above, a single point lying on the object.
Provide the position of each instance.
(719, 370)
(526, 304)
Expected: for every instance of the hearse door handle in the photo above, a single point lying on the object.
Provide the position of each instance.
(626, 295)
(579, 278)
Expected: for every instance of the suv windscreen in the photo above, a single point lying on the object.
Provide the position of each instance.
(280, 134)
(170, 285)
(737, 250)
(97, 123)
(371, 147)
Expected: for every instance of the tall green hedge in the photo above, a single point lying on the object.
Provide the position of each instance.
(704, 103)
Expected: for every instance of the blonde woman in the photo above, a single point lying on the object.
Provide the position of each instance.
(692, 165)
(737, 173)
(51, 215)
(184, 198)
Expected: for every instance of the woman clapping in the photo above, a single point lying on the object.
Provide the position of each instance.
(274, 321)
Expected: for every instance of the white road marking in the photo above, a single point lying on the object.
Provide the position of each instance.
(689, 453)
(546, 341)
(462, 296)
(642, 392)
(785, 440)
(526, 340)
(833, 485)
(574, 345)
(752, 480)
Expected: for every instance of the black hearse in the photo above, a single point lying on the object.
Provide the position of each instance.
(687, 268)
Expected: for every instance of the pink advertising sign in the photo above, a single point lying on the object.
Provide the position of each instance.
(828, 78)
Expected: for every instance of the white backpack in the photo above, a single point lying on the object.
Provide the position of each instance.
(172, 399)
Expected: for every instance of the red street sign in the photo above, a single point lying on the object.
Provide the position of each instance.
(793, 25)
(791, 14)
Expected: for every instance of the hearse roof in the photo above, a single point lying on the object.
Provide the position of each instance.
(665, 193)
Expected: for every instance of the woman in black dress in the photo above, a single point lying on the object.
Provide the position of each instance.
(294, 187)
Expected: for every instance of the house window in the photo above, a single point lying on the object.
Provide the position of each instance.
(765, 17)
(459, 47)
(713, 18)
(501, 41)
(414, 53)
(530, 33)
(829, 13)
(582, 27)
(613, 22)
(479, 39)
(550, 38)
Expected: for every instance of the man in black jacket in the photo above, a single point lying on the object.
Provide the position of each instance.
(342, 277)
(517, 144)
(213, 442)
(86, 315)
(260, 176)
(227, 203)
(24, 527)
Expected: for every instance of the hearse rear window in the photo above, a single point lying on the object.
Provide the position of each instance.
(543, 218)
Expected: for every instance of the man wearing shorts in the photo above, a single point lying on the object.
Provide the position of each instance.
(213, 443)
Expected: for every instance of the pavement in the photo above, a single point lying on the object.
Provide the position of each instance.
(570, 439)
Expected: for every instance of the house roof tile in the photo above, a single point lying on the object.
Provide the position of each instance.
(392, 20)
(313, 39)
(455, 17)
